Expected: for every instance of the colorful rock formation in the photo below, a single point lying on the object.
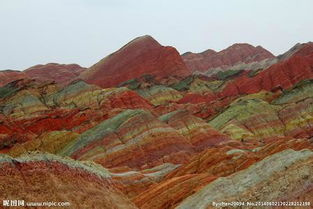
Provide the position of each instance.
(282, 75)
(133, 183)
(133, 138)
(141, 56)
(298, 50)
(31, 108)
(237, 53)
(52, 72)
(7, 76)
(50, 142)
(48, 178)
(211, 166)
(158, 95)
(197, 131)
(59, 73)
(138, 130)
(265, 180)
(290, 114)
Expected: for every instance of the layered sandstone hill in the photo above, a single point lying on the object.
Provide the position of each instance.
(53, 72)
(237, 53)
(114, 142)
(265, 180)
(30, 109)
(290, 114)
(60, 73)
(49, 178)
(282, 75)
(7, 76)
(143, 55)
(299, 49)
(211, 167)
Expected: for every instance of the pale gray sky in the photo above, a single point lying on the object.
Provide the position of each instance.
(84, 31)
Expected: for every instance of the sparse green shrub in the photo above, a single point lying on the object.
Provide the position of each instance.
(223, 75)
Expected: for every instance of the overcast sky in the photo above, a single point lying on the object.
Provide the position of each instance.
(84, 31)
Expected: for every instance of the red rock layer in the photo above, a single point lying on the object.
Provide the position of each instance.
(142, 56)
(299, 49)
(172, 191)
(11, 134)
(198, 105)
(195, 98)
(306, 48)
(236, 53)
(141, 141)
(205, 167)
(7, 76)
(43, 108)
(49, 180)
(200, 134)
(59, 73)
(132, 183)
(282, 75)
(232, 157)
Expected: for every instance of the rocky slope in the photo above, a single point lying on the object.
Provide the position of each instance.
(51, 178)
(261, 181)
(7, 76)
(213, 165)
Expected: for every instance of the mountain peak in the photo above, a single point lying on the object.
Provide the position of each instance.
(240, 45)
(246, 46)
(144, 38)
(145, 41)
(141, 56)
